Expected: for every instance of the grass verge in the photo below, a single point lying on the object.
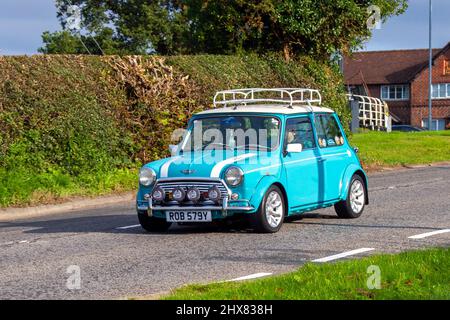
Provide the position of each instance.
(22, 188)
(380, 149)
(409, 275)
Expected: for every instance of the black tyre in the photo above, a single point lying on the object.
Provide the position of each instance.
(152, 224)
(270, 215)
(353, 206)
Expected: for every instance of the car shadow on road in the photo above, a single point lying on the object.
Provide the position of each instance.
(120, 224)
(116, 224)
(318, 217)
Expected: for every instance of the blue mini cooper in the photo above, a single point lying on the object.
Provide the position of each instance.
(261, 155)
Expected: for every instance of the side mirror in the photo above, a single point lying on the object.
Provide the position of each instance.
(294, 148)
(173, 148)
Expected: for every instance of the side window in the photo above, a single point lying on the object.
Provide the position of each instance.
(328, 132)
(299, 130)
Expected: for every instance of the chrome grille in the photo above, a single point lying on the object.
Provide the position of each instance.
(203, 185)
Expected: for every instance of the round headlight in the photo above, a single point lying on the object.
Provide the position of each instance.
(178, 194)
(234, 176)
(193, 194)
(214, 194)
(147, 176)
(158, 194)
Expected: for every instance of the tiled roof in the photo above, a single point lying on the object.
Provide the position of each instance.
(382, 67)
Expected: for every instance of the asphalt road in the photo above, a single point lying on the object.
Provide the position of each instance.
(117, 263)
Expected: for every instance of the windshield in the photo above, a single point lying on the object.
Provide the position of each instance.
(233, 133)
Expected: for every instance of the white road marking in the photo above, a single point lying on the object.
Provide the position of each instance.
(343, 254)
(252, 276)
(14, 242)
(428, 234)
(128, 227)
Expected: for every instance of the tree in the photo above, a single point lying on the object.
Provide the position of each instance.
(316, 28)
(65, 42)
(124, 27)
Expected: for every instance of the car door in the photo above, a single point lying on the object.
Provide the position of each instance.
(301, 168)
(334, 153)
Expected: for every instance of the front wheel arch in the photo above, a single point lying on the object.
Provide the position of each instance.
(347, 177)
(260, 221)
(261, 188)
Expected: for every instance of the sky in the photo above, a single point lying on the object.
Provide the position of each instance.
(410, 30)
(23, 21)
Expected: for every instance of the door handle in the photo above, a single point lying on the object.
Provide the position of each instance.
(322, 159)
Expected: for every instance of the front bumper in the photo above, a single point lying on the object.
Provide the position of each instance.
(226, 209)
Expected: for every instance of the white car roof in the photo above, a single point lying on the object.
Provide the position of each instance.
(268, 108)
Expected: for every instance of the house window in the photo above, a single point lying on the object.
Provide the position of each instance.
(395, 92)
(440, 91)
(436, 124)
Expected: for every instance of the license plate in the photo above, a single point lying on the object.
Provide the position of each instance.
(189, 216)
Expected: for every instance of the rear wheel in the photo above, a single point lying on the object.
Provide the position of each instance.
(353, 206)
(152, 224)
(271, 212)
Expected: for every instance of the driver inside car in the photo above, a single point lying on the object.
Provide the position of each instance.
(301, 136)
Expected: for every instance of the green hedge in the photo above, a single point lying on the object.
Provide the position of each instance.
(82, 125)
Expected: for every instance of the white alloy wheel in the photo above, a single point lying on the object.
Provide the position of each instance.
(357, 197)
(274, 209)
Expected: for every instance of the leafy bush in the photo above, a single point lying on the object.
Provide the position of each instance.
(217, 72)
(77, 125)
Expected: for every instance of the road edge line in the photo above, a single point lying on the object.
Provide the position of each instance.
(428, 234)
(251, 276)
(342, 255)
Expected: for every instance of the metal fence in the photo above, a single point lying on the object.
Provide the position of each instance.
(369, 113)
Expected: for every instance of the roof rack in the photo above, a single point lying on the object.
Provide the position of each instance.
(289, 96)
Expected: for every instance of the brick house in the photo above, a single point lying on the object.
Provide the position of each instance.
(400, 77)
